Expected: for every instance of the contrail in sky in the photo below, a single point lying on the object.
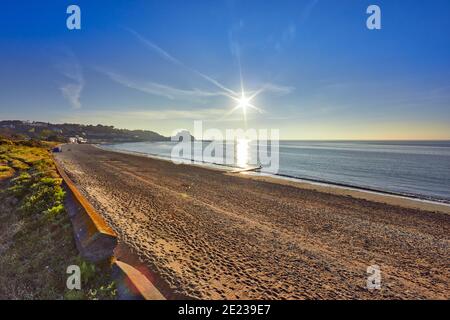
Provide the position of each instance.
(174, 60)
(242, 98)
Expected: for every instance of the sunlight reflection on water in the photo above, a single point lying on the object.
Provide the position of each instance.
(242, 153)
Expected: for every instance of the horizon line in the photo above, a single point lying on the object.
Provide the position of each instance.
(288, 139)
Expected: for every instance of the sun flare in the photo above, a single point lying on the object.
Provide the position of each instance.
(244, 102)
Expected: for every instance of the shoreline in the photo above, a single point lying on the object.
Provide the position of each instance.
(212, 234)
(392, 198)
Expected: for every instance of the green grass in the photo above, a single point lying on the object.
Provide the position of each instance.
(36, 236)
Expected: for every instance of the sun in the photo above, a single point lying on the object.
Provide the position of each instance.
(243, 103)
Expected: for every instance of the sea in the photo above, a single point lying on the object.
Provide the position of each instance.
(419, 169)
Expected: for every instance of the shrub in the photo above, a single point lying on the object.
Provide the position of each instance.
(54, 211)
(44, 194)
(108, 291)
(88, 271)
(20, 185)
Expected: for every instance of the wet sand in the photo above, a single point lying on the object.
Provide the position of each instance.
(215, 235)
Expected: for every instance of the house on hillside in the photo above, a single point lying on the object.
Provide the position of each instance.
(77, 139)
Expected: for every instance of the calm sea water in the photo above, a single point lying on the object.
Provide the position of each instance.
(414, 168)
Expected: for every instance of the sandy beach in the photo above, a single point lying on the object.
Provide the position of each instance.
(215, 235)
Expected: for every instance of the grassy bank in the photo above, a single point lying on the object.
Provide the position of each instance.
(36, 237)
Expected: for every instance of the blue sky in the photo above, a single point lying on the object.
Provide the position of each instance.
(160, 65)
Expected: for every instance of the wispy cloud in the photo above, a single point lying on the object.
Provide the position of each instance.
(72, 70)
(159, 89)
(154, 47)
(308, 10)
(172, 92)
(289, 33)
(284, 38)
(287, 36)
(164, 54)
(177, 93)
(72, 92)
(234, 44)
(279, 89)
